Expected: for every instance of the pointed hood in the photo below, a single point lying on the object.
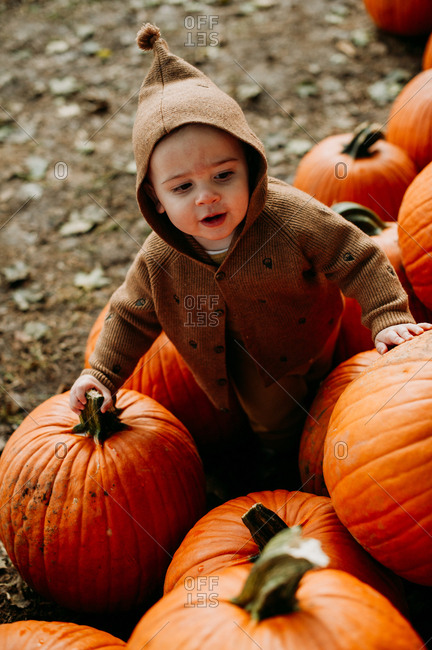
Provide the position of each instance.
(175, 93)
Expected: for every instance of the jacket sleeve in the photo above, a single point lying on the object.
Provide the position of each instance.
(357, 264)
(129, 329)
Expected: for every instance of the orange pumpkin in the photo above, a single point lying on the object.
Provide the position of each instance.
(27, 635)
(381, 488)
(427, 54)
(401, 17)
(91, 518)
(353, 336)
(415, 234)
(220, 540)
(360, 167)
(163, 375)
(278, 602)
(314, 432)
(410, 121)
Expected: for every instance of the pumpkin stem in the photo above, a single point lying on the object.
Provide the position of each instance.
(364, 218)
(97, 425)
(364, 136)
(270, 588)
(263, 524)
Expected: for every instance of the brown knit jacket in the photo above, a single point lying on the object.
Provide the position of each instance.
(280, 284)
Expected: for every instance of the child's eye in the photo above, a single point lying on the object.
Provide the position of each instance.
(223, 176)
(181, 188)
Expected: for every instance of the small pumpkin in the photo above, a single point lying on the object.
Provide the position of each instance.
(55, 635)
(409, 125)
(315, 429)
(401, 17)
(278, 602)
(220, 539)
(360, 167)
(381, 488)
(91, 517)
(163, 375)
(427, 54)
(415, 235)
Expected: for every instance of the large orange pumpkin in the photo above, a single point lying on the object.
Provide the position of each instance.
(314, 432)
(220, 540)
(381, 488)
(278, 602)
(410, 121)
(403, 17)
(360, 167)
(163, 375)
(91, 521)
(415, 234)
(28, 635)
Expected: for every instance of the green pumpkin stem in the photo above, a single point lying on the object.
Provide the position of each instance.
(263, 524)
(97, 425)
(364, 136)
(364, 218)
(270, 589)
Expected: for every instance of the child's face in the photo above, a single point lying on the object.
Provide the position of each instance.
(199, 175)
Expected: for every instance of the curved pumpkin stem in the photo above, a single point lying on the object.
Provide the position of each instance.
(263, 524)
(364, 136)
(270, 589)
(97, 425)
(364, 218)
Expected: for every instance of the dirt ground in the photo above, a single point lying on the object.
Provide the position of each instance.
(70, 72)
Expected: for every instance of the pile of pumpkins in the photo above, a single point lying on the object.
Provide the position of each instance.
(108, 513)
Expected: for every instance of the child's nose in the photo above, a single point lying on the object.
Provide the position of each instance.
(206, 197)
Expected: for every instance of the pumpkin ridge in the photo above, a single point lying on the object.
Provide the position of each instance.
(63, 482)
(122, 498)
(152, 507)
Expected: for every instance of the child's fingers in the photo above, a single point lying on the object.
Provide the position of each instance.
(107, 403)
(395, 337)
(425, 326)
(381, 347)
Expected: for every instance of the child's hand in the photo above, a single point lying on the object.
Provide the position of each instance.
(77, 398)
(397, 334)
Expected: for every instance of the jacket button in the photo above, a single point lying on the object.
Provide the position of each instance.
(224, 409)
(222, 381)
(219, 348)
(219, 275)
(193, 344)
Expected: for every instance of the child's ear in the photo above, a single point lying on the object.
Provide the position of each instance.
(148, 188)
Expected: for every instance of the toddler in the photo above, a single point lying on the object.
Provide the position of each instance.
(244, 273)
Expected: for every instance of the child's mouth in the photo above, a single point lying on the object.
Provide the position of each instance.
(214, 220)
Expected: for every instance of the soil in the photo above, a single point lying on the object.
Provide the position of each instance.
(70, 72)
